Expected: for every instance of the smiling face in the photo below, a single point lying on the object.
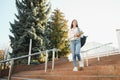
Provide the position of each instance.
(74, 23)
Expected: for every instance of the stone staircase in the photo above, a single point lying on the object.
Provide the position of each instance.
(108, 68)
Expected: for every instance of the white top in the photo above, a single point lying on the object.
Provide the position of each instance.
(72, 32)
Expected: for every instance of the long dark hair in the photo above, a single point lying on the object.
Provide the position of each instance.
(72, 23)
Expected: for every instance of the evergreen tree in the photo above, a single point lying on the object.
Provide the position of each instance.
(57, 31)
(31, 22)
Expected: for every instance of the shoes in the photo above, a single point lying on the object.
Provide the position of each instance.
(80, 68)
(81, 64)
(75, 69)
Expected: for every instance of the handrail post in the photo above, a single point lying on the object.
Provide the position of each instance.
(98, 58)
(30, 46)
(53, 58)
(57, 54)
(118, 38)
(86, 59)
(10, 70)
(46, 61)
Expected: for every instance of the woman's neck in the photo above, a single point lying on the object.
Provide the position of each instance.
(74, 27)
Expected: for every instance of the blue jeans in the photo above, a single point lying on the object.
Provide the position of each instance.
(75, 46)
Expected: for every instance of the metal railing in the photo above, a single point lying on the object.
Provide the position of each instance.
(97, 55)
(46, 61)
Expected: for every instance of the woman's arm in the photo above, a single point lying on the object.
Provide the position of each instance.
(70, 34)
(80, 32)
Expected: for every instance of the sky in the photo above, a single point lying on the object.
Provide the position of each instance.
(7, 11)
(98, 19)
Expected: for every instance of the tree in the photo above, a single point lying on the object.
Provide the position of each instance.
(31, 22)
(57, 33)
(2, 54)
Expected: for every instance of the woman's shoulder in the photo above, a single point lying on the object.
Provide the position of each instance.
(79, 28)
(69, 29)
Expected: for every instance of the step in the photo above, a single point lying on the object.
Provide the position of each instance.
(84, 72)
(95, 70)
(3, 79)
(64, 75)
(68, 77)
(63, 71)
(21, 78)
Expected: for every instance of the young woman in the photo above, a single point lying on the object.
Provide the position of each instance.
(74, 35)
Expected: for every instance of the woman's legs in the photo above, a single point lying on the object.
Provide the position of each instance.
(75, 49)
(78, 47)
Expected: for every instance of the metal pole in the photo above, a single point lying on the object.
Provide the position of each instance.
(46, 61)
(57, 54)
(98, 58)
(86, 59)
(53, 56)
(30, 46)
(10, 70)
(118, 36)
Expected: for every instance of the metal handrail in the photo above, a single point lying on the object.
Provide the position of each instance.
(96, 47)
(27, 55)
(93, 49)
(12, 60)
(19, 57)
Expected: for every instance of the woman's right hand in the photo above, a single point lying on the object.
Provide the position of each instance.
(77, 35)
